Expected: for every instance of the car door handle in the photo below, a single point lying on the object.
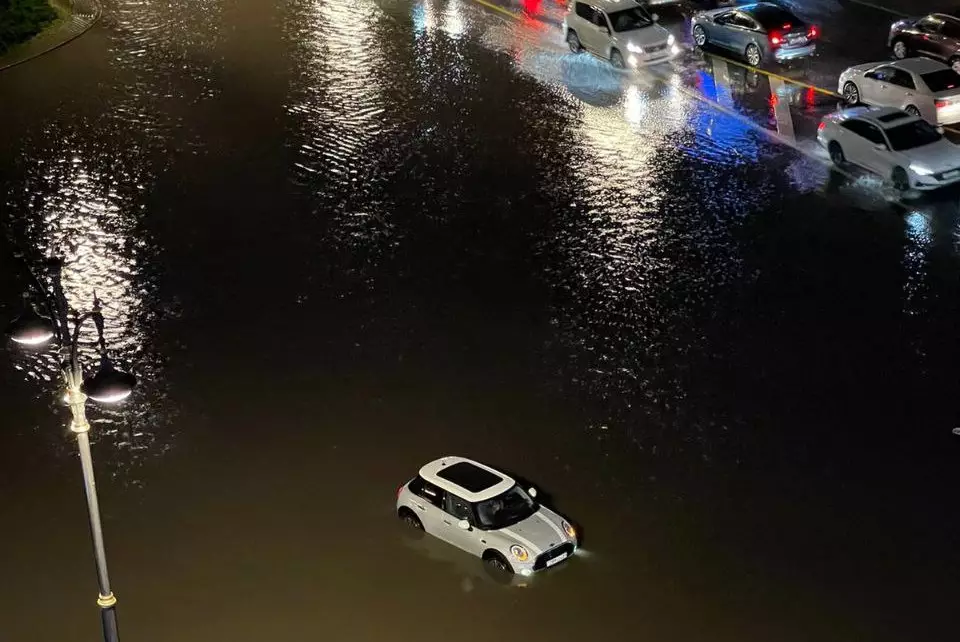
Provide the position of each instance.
(447, 523)
(909, 93)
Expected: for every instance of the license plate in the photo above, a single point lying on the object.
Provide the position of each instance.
(797, 40)
(557, 560)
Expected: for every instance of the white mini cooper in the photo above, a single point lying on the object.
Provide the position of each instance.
(486, 513)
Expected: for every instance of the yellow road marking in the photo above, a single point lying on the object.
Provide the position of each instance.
(490, 5)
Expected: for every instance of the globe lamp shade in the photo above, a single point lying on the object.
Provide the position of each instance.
(109, 385)
(31, 329)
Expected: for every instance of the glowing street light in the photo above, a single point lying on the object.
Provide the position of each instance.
(107, 385)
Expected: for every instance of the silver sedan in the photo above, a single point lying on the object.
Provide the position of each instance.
(919, 86)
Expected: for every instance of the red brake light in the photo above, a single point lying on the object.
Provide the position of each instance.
(400, 490)
(787, 25)
(942, 103)
(774, 38)
(813, 33)
(821, 126)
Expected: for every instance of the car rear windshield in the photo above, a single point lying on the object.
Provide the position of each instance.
(942, 80)
(914, 134)
(773, 17)
(630, 19)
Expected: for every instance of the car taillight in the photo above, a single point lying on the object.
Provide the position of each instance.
(400, 490)
(942, 103)
(821, 126)
(813, 33)
(775, 38)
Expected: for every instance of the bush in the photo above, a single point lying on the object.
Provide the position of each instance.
(20, 20)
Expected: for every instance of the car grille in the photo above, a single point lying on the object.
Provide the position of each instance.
(553, 553)
(656, 48)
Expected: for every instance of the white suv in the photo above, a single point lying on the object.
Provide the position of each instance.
(486, 513)
(621, 31)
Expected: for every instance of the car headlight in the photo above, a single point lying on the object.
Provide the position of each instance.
(634, 48)
(671, 39)
(569, 530)
(519, 552)
(920, 169)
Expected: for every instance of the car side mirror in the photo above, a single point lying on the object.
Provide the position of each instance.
(532, 492)
(463, 525)
(655, 17)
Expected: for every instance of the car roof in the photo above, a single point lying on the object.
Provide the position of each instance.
(465, 478)
(916, 65)
(879, 116)
(953, 15)
(767, 13)
(613, 5)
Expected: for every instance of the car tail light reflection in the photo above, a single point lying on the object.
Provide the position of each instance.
(400, 489)
(821, 126)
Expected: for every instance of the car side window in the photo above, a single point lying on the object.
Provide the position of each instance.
(427, 491)
(723, 18)
(871, 132)
(929, 24)
(600, 19)
(883, 74)
(863, 129)
(950, 29)
(585, 11)
(745, 21)
(902, 78)
(738, 19)
(459, 508)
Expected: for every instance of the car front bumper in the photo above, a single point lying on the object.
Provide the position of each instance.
(548, 559)
(791, 53)
(636, 61)
(934, 181)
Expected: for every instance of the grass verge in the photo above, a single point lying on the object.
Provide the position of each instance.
(21, 20)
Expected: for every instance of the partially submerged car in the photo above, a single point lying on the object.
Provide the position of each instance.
(486, 513)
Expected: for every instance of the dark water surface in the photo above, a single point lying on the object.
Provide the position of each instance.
(338, 239)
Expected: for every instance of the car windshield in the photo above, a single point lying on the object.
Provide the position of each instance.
(914, 134)
(507, 509)
(630, 19)
(942, 80)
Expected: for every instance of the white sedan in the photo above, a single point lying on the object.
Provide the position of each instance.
(918, 86)
(900, 147)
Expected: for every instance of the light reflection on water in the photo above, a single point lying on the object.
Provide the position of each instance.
(89, 218)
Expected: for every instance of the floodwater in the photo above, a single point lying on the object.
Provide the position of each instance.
(338, 239)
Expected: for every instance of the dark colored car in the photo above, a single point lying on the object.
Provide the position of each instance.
(758, 32)
(934, 36)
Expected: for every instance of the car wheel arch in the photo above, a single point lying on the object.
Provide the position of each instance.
(492, 554)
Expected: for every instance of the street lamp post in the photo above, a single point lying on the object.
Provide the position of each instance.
(108, 385)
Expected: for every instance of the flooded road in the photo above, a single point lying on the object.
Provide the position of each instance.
(336, 240)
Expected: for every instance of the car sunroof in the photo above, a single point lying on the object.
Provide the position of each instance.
(889, 118)
(470, 477)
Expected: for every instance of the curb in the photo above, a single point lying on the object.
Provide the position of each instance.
(83, 15)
